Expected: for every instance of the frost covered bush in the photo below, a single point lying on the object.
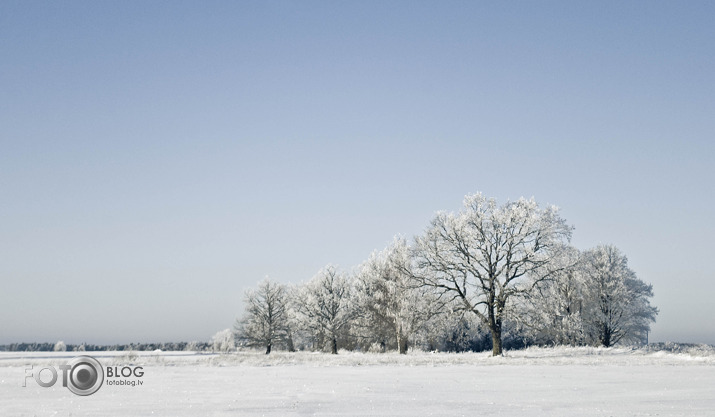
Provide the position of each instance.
(376, 348)
(692, 349)
(223, 341)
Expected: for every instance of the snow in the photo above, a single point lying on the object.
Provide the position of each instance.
(530, 382)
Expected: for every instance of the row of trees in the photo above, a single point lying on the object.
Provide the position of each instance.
(500, 273)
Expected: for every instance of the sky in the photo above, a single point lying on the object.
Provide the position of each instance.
(159, 158)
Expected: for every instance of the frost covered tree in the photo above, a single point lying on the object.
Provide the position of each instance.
(323, 306)
(482, 255)
(597, 301)
(265, 321)
(392, 303)
(223, 341)
(618, 306)
(552, 313)
(60, 346)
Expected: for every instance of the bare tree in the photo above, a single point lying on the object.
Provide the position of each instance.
(323, 306)
(480, 255)
(618, 306)
(265, 320)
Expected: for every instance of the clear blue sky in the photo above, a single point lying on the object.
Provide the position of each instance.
(158, 158)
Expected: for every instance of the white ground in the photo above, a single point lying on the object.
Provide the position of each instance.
(533, 382)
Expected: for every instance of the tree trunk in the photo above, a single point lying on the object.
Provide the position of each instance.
(606, 336)
(495, 322)
(495, 327)
(402, 345)
(496, 342)
(401, 339)
(268, 349)
(291, 346)
(334, 349)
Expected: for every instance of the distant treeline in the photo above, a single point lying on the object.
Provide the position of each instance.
(86, 347)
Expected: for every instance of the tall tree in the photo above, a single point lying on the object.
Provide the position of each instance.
(618, 305)
(553, 312)
(265, 320)
(323, 306)
(391, 301)
(480, 255)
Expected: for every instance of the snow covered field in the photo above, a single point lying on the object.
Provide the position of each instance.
(531, 382)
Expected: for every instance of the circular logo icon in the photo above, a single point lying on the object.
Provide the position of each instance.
(86, 375)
